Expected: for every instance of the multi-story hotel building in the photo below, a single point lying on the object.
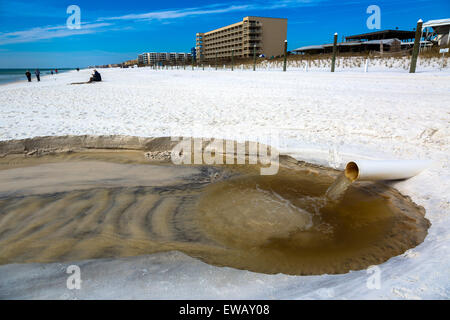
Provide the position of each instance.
(151, 58)
(266, 35)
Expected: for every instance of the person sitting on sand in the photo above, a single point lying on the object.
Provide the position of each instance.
(28, 74)
(95, 76)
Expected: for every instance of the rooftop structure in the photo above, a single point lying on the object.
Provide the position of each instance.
(355, 46)
(384, 40)
(437, 31)
(383, 34)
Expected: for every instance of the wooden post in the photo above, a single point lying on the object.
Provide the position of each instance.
(415, 53)
(443, 59)
(232, 59)
(333, 60)
(254, 57)
(285, 56)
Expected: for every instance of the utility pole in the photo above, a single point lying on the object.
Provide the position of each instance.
(254, 57)
(285, 56)
(415, 52)
(333, 60)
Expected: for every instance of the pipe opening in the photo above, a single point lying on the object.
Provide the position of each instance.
(352, 171)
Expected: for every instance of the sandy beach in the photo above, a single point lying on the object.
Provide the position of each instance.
(319, 117)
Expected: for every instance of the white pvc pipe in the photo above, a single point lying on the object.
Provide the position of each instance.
(384, 169)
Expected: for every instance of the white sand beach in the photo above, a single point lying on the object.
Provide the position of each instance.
(320, 117)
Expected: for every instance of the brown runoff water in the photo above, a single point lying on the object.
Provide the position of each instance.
(108, 204)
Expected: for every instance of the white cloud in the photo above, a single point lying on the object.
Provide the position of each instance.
(49, 32)
(173, 14)
(212, 9)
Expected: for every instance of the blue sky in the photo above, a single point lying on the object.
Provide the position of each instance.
(34, 34)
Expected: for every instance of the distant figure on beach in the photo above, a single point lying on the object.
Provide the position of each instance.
(51, 71)
(38, 75)
(78, 69)
(28, 74)
(95, 76)
(56, 71)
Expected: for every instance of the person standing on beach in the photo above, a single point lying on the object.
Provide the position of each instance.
(56, 71)
(28, 74)
(38, 75)
(51, 71)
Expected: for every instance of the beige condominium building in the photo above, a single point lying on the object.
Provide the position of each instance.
(266, 35)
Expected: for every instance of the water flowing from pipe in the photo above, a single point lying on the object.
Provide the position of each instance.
(337, 190)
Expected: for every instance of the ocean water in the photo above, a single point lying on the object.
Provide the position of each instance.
(12, 75)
